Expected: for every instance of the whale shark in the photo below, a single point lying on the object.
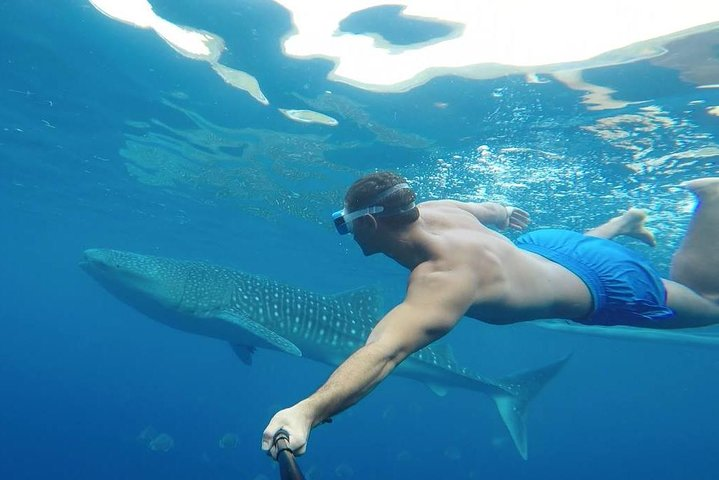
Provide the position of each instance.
(251, 311)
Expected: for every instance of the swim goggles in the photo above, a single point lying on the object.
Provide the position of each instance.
(343, 219)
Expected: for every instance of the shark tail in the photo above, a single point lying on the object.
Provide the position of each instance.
(512, 404)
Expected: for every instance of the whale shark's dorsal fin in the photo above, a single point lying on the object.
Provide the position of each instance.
(265, 335)
(364, 302)
(243, 352)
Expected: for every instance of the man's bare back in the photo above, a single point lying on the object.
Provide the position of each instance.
(512, 285)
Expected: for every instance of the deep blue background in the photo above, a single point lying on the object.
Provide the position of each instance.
(82, 375)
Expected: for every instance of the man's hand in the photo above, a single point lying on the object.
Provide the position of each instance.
(297, 422)
(517, 219)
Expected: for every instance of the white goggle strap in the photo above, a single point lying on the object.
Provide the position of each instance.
(352, 216)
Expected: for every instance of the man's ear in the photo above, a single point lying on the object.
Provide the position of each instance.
(367, 221)
(373, 222)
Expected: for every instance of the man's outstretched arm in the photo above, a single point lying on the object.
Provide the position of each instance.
(496, 214)
(432, 307)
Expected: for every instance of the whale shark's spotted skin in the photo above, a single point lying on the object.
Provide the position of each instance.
(253, 311)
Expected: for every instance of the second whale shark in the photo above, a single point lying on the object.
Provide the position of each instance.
(251, 311)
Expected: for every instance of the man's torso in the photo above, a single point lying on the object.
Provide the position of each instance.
(512, 285)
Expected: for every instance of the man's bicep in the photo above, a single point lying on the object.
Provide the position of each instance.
(429, 311)
(405, 329)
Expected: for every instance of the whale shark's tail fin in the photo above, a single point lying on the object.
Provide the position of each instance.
(520, 389)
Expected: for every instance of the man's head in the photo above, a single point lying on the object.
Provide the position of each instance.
(378, 200)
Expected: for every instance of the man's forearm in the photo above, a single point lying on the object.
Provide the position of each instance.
(351, 381)
(495, 214)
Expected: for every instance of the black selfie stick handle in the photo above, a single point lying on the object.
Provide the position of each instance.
(289, 470)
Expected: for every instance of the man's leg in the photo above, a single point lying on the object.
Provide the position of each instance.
(630, 223)
(690, 309)
(696, 263)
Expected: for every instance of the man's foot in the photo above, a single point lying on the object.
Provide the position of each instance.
(703, 188)
(631, 224)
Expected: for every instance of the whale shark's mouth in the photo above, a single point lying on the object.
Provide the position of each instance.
(90, 262)
(85, 263)
(100, 265)
(100, 259)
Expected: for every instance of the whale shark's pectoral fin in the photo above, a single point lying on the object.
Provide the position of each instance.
(263, 335)
(439, 390)
(243, 352)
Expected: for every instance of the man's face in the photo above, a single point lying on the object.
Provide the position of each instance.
(364, 234)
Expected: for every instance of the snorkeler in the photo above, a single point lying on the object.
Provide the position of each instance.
(460, 267)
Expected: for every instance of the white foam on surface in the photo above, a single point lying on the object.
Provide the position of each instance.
(189, 42)
(491, 38)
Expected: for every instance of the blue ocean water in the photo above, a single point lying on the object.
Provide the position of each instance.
(109, 138)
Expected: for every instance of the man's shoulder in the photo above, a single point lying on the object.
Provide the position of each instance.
(439, 272)
(445, 202)
(428, 284)
(444, 206)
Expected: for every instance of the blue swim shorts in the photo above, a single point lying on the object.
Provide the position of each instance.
(626, 290)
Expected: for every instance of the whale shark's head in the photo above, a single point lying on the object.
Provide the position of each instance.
(144, 281)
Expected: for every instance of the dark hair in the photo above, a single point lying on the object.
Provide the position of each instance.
(366, 188)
